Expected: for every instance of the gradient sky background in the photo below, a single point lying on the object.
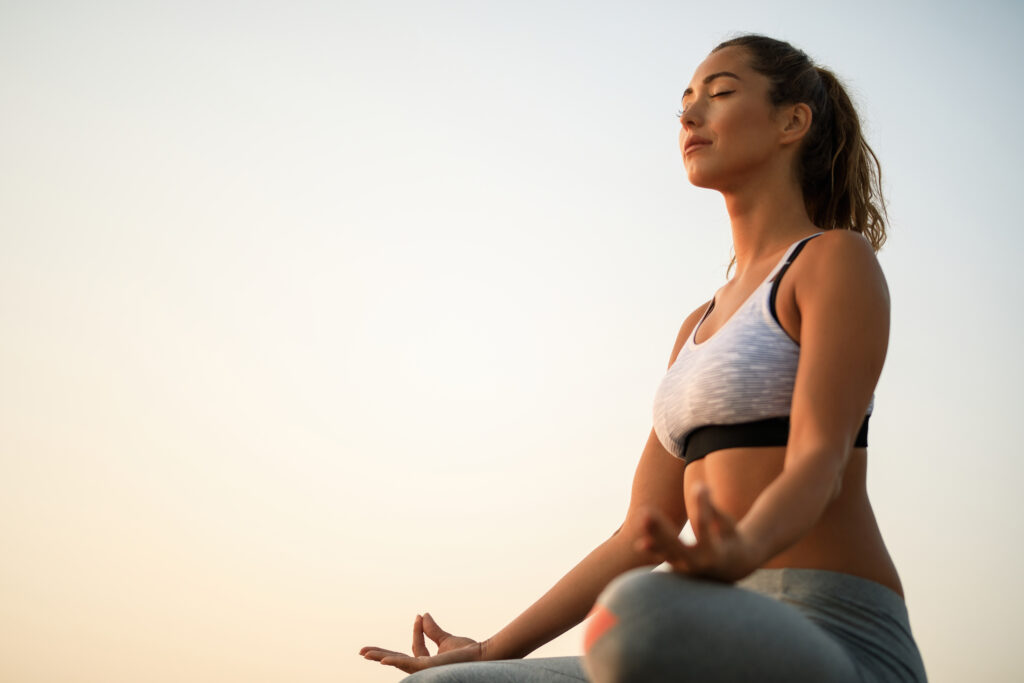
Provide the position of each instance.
(317, 315)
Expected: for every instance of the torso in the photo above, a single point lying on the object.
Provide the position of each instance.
(846, 537)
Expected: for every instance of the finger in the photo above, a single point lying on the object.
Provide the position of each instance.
(648, 546)
(413, 664)
(660, 531)
(649, 540)
(433, 631)
(720, 524)
(378, 653)
(419, 646)
(664, 541)
(405, 663)
(705, 515)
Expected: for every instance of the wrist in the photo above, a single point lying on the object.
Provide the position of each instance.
(756, 546)
(496, 647)
(488, 651)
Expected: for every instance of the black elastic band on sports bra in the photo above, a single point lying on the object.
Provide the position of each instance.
(771, 432)
(782, 271)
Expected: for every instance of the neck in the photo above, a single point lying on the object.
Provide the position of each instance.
(766, 217)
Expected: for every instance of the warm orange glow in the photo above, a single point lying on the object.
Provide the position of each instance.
(598, 623)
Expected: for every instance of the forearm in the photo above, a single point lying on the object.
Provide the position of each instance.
(790, 506)
(567, 603)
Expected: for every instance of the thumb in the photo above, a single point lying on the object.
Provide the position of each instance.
(703, 515)
(419, 647)
(433, 631)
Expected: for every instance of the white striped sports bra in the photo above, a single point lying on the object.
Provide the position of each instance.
(734, 389)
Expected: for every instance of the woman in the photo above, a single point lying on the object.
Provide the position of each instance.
(760, 427)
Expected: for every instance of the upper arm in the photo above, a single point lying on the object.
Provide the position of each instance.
(658, 481)
(843, 302)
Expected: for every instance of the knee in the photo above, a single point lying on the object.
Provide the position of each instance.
(611, 644)
(437, 674)
(639, 619)
(638, 593)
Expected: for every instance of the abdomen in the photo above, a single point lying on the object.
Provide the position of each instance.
(845, 539)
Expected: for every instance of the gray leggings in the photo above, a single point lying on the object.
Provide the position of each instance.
(775, 625)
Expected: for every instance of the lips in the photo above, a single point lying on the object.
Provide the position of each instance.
(695, 142)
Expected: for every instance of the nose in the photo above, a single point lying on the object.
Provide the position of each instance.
(692, 115)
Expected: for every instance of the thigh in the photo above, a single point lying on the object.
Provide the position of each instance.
(666, 626)
(537, 670)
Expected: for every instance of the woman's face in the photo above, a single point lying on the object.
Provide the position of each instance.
(730, 130)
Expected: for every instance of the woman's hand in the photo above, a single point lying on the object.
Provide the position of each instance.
(720, 552)
(450, 649)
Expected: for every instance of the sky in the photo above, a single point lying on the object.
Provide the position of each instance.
(318, 315)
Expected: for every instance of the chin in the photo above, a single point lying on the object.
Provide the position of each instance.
(701, 179)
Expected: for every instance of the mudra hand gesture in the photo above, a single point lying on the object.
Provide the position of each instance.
(450, 649)
(721, 551)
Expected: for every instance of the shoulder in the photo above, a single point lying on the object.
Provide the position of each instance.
(840, 293)
(687, 328)
(839, 260)
(834, 246)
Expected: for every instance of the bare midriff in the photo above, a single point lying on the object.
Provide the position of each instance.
(845, 539)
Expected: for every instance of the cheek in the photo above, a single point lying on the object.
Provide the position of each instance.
(735, 126)
(744, 142)
(748, 124)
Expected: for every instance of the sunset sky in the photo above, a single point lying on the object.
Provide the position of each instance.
(318, 315)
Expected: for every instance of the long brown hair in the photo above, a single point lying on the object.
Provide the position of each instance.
(839, 173)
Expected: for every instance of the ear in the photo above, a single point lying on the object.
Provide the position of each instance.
(796, 122)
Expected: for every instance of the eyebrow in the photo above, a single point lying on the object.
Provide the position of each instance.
(708, 79)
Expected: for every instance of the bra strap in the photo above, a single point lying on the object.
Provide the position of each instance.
(798, 247)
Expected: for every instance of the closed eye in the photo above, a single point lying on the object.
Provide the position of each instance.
(681, 112)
